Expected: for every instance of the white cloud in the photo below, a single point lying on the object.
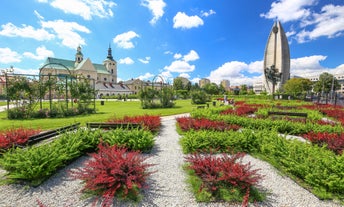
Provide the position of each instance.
(177, 56)
(127, 61)
(146, 76)
(208, 13)
(156, 7)
(191, 56)
(195, 80)
(181, 20)
(229, 70)
(180, 66)
(255, 67)
(26, 31)
(67, 32)
(184, 75)
(41, 53)
(85, 9)
(289, 10)
(38, 15)
(124, 40)
(145, 60)
(9, 56)
(328, 23)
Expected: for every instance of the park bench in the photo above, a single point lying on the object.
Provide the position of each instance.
(200, 107)
(51, 133)
(105, 125)
(290, 114)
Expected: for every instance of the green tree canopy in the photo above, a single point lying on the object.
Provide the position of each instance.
(325, 83)
(211, 88)
(297, 86)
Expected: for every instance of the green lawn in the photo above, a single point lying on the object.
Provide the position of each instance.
(104, 112)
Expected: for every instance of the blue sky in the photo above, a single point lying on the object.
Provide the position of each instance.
(215, 39)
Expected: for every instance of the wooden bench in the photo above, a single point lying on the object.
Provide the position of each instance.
(284, 113)
(200, 107)
(51, 133)
(104, 125)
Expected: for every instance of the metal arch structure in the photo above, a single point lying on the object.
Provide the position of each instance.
(60, 64)
(155, 78)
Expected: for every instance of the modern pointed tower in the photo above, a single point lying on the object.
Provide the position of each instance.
(276, 59)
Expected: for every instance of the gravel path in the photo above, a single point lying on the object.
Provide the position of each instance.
(167, 184)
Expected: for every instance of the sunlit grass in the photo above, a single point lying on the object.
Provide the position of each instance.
(104, 112)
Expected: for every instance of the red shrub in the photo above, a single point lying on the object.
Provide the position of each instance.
(224, 171)
(334, 142)
(240, 111)
(239, 103)
(113, 171)
(188, 123)
(333, 112)
(18, 136)
(149, 122)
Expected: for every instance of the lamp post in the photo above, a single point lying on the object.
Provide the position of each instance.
(5, 72)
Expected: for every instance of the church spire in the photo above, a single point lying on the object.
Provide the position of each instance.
(78, 56)
(109, 56)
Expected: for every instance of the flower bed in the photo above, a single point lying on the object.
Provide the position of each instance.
(13, 137)
(113, 172)
(149, 122)
(223, 178)
(188, 123)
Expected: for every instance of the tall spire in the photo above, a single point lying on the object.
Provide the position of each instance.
(109, 56)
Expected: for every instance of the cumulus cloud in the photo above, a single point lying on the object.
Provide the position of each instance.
(191, 56)
(146, 76)
(181, 20)
(329, 22)
(25, 31)
(208, 13)
(181, 64)
(184, 75)
(68, 32)
(124, 40)
(289, 10)
(156, 7)
(126, 61)
(144, 60)
(41, 53)
(85, 9)
(9, 56)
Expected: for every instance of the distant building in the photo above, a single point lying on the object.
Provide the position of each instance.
(225, 84)
(258, 87)
(276, 55)
(339, 77)
(2, 85)
(105, 74)
(203, 82)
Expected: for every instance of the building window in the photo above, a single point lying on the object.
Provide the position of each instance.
(104, 79)
(88, 76)
(111, 71)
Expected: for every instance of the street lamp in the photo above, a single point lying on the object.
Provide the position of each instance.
(5, 72)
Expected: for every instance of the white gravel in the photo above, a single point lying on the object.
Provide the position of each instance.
(167, 186)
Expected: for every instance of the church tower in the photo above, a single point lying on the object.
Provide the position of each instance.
(111, 65)
(78, 56)
(276, 59)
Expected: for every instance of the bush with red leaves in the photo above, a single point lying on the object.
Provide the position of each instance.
(216, 172)
(111, 172)
(240, 111)
(334, 142)
(149, 122)
(18, 136)
(188, 123)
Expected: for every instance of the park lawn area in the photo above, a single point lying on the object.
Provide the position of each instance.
(3, 103)
(104, 112)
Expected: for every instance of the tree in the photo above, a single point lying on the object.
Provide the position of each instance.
(243, 89)
(178, 84)
(211, 88)
(297, 86)
(199, 97)
(326, 83)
